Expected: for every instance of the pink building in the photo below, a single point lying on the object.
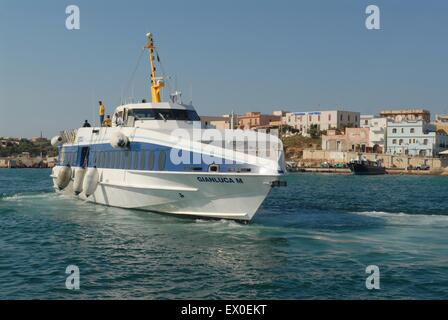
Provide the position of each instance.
(255, 119)
(353, 139)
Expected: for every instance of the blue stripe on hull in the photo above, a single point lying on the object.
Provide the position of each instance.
(141, 156)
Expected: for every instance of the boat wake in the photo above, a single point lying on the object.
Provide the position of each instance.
(220, 223)
(403, 218)
(25, 196)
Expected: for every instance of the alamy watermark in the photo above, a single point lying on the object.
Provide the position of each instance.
(373, 20)
(213, 146)
(72, 281)
(373, 280)
(73, 21)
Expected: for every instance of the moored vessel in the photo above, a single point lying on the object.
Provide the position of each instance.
(363, 166)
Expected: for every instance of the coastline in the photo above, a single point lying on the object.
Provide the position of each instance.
(346, 171)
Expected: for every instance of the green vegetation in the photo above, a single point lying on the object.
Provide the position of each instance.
(314, 131)
(36, 148)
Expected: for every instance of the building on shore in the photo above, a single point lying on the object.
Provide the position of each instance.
(377, 132)
(441, 123)
(221, 123)
(351, 139)
(252, 120)
(25, 160)
(248, 121)
(406, 114)
(280, 113)
(8, 162)
(321, 120)
(9, 142)
(415, 138)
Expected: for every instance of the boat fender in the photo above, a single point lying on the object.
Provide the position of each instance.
(90, 182)
(78, 180)
(63, 178)
(119, 140)
(56, 140)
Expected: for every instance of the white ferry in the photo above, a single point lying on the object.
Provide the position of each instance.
(156, 157)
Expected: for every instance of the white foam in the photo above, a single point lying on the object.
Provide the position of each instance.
(20, 196)
(407, 218)
(219, 223)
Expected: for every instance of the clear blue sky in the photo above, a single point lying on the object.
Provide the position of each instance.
(241, 55)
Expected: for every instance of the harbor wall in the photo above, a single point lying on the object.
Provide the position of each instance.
(316, 157)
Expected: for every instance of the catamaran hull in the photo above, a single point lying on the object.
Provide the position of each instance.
(203, 195)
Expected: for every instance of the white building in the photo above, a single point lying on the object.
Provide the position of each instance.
(324, 120)
(415, 138)
(377, 134)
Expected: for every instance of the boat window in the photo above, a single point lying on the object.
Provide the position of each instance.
(128, 158)
(114, 159)
(67, 158)
(164, 114)
(94, 157)
(150, 160)
(142, 160)
(121, 160)
(162, 160)
(106, 159)
(103, 159)
(135, 160)
(99, 159)
(118, 159)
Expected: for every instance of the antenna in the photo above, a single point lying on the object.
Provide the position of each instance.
(175, 82)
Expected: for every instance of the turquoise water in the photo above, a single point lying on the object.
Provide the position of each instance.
(310, 240)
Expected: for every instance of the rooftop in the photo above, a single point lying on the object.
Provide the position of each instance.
(404, 111)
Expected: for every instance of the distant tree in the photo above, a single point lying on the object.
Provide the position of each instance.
(314, 131)
(286, 128)
(37, 148)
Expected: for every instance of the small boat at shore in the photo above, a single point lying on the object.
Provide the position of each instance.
(362, 166)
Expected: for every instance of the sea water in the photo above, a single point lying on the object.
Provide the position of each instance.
(311, 240)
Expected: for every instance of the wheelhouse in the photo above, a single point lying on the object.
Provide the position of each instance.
(163, 115)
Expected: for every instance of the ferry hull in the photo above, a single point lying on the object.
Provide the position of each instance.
(202, 195)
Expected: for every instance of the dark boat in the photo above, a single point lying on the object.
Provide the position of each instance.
(366, 167)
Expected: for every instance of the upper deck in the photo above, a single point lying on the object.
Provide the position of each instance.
(159, 116)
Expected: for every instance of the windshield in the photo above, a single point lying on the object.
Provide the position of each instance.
(164, 114)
